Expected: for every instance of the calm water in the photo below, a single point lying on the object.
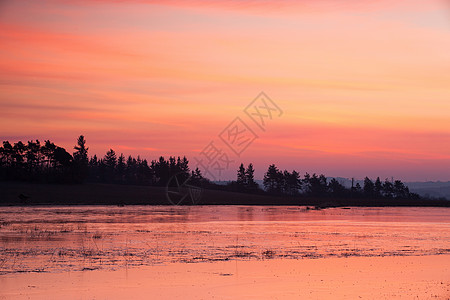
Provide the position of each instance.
(58, 239)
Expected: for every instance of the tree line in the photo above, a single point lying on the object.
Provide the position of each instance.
(47, 162)
(44, 162)
(290, 183)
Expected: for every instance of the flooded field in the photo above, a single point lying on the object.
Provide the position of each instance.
(85, 238)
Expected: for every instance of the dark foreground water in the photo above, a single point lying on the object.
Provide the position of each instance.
(59, 239)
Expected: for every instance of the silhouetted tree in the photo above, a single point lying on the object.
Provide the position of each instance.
(196, 177)
(121, 168)
(162, 170)
(245, 180)
(400, 190)
(358, 190)
(80, 159)
(3, 162)
(336, 189)
(198, 180)
(378, 187)
(144, 173)
(18, 159)
(250, 182)
(51, 163)
(94, 169)
(315, 185)
(63, 165)
(7, 153)
(81, 153)
(182, 167)
(131, 170)
(369, 187)
(110, 159)
(241, 180)
(108, 165)
(48, 151)
(291, 183)
(388, 189)
(33, 156)
(273, 180)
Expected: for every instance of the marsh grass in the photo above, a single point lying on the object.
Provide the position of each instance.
(268, 254)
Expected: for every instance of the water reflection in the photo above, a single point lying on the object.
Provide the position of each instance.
(47, 239)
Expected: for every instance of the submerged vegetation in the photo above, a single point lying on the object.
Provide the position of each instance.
(49, 163)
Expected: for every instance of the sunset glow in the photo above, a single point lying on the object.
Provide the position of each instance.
(364, 86)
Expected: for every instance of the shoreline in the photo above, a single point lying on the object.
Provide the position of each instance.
(32, 194)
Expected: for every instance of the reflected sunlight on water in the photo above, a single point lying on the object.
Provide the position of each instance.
(54, 239)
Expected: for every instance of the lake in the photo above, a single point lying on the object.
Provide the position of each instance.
(83, 238)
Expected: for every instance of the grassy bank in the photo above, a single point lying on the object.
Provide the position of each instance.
(19, 193)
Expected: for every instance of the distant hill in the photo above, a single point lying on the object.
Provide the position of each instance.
(435, 189)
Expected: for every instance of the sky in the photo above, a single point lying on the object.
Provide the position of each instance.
(355, 88)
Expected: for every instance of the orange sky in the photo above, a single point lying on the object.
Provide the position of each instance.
(364, 86)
